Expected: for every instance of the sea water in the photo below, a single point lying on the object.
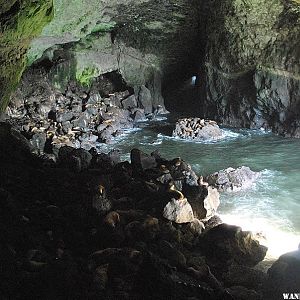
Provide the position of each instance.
(271, 207)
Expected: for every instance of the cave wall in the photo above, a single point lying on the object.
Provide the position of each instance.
(245, 53)
(20, 22)
(148, 42)
(252, 66)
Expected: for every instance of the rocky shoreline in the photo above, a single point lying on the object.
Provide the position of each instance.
(90, 226)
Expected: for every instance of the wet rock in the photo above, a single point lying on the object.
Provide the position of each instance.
(179, 211)
(15, 143)
(227, 244)
(138, 114)
(197, 129)
(232, 179)
(141, 160)
(284, 275)
(196, 227)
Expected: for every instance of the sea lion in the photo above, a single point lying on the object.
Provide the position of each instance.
(211, 122)
(174, 193)
(112, 219)
(201, 182)
(177, 161)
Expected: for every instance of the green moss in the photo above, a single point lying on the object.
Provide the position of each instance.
(18, 27)
(86, 76)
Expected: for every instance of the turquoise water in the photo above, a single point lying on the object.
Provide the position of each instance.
(271, 206)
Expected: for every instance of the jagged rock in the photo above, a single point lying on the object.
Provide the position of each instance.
(141, 160)
(182, 173)
(227, 244)
(204, 200)
(179, 211)
(197, 129)
(232, 179)
(129, 102)
(284, 275)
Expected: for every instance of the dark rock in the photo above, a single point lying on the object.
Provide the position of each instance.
(284, 275)
(232, 179)
(141, 160)
(129, 102)
(245, 276)
(75, 159)
(169, 252)
(226, 244)
(242, 293)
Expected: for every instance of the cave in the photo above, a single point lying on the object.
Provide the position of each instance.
(150, 149)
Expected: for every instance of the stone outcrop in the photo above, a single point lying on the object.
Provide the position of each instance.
(232, 180)
(197, 129)
(227, 244)
(252, 75)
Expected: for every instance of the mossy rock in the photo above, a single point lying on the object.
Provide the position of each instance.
(20, 22)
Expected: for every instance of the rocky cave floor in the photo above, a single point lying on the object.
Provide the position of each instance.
(77, 224)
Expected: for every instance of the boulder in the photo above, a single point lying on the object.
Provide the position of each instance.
(232, 179)
(179, 211)
(129, 102)
(74, 159)
(226, 244)
(284, 275)
(197, 129)
(141, 160)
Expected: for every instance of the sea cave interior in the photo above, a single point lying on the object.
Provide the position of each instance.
(149, 149)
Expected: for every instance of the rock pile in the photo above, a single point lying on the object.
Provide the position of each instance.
(100, 233)
(77, 117)
(232, 179)
(197, 129)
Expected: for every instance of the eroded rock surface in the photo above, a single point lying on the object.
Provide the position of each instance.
(232, 179)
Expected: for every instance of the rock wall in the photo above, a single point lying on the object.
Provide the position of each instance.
(144, 40)
(252, 65)
(20, 22)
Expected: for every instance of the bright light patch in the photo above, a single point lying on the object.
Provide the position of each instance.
(277, 240)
